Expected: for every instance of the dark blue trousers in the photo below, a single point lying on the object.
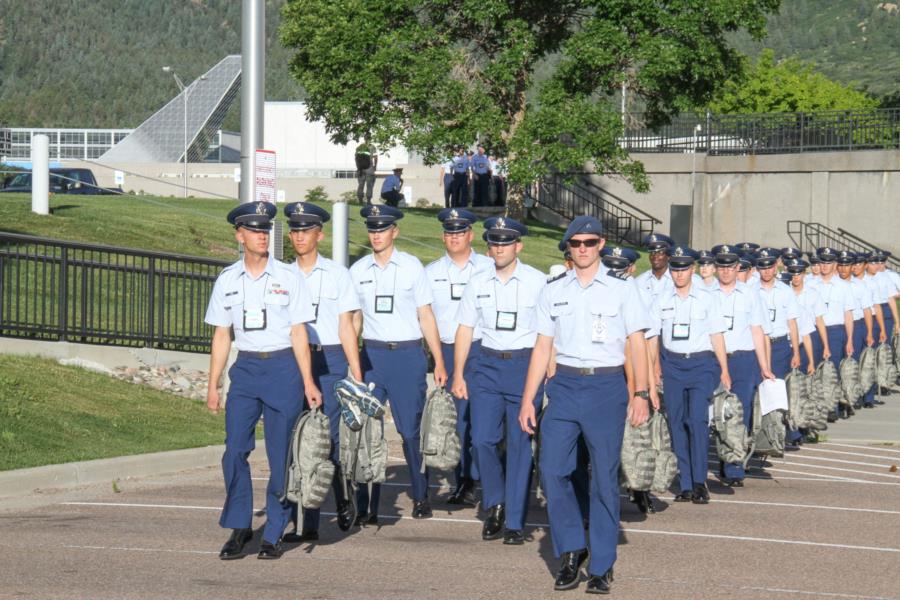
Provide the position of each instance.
(592, 407)
(688, 384)
(329, 367)
(817, 347)
(745, 378)
(837, 339)
(495, 392)
(781, 357)
(399, 377)
(467, 468)
(271, 388)
(888, 320)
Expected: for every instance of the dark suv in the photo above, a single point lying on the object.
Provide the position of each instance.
(62, 181)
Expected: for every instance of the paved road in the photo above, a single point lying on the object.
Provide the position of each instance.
(822, 523)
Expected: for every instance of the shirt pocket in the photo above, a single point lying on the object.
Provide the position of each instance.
(487, 311)
(610, 324)
(234, 300)
(699, 313)
(526, 316)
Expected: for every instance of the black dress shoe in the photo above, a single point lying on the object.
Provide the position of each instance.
(270, 551)
(684, 496)
(493, 524)
(868, 406)
(234, 547)
(513, 537)
(642, 501)
(701, 494)
(600, 584)
(464, 494)
(360, 519)
(734, 482)
(345, 516)
(878, 402)
(421, 509)
(372, 520)
(832, 417)
(567, 576)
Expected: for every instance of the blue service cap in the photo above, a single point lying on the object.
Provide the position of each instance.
(827, 254)
(380, 217)
(749, 247)
(456, 219)
(616, 257)
(795, 266)
(303, 215)
(681, 257)
(846, 257)
(726, 255)
(745, 260)
(879, 256)
(255, 216)
(766, 257)
(585, 224)
(813, 258)
(502, 231)
(705, 257)
(787, 253)
(657, 241)
(785, 277)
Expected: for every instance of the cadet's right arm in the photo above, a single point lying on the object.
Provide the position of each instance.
(218, 356)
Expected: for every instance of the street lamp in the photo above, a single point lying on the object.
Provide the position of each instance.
(186, 91)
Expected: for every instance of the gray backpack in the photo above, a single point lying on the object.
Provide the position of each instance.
(310, 469)
(852, 390)
(801, 410)
(638, 457)
(829, 384)
(895, 349)
(666, 464)
(364, 452)
(868, 374)
(732, 441)
(439, 441)
(884, 366)
(768, 431)
(820, 407)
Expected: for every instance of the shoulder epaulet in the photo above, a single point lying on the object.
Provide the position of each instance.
(558, 277)
(618, 274)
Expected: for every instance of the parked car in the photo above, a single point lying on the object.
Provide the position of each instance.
(62, 181)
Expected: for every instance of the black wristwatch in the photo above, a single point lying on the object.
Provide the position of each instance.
(643, 394)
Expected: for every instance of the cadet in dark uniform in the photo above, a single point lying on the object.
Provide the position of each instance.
(586, 315)
(481, 174)
(266, 305)
(396, 314)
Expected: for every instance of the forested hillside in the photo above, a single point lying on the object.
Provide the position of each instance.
(98, 63)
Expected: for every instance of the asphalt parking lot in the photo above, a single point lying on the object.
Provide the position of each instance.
(822, 523)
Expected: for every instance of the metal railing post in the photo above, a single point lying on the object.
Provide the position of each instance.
(151, 302)
(64, 294)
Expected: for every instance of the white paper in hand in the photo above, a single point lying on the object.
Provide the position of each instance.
(772, 396)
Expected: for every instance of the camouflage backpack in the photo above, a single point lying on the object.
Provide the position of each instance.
(310, 469)
(364, 452)
(768, 431)
(829, 384)
(850, 386)
(895, 349)
(638, 458)
(884, 366)
(666, 464)
(439, 441)
(802, 410)
(728, 425)
(867, 369)
(820, 407)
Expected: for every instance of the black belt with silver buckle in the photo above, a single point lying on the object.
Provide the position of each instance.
(265, 355)
(393, 345)
(587, 371)
(740, 353)
(685, 356)
(506, 354)
(325, 348)
(779, 338)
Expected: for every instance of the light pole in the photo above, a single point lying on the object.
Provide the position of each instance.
(185, 92)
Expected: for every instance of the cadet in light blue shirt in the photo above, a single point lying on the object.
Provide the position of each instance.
(449, 276)
(390, 189)
(501, 302)
(266, 305)
(782, 313)
(657, 278)
(396, 315)
(694, 361)
(460, 185)
(332, 341)
(481, 173)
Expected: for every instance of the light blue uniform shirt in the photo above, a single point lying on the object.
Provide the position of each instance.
(402, 279)
(480, 164)
(590, 325)
(780, 306)
(460, 164)
(650, 287)
(277, 290)
(741, 309)
(862, 297)
(332, 293)
(811, 306)
(448, 282)
(887, 284)
(391, 183)
(694, 319)
(875, 290)
(488, 302)
(838, 299)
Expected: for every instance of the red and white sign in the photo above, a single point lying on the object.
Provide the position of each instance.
(264, 187)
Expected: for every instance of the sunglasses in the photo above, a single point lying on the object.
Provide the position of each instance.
(586, 243)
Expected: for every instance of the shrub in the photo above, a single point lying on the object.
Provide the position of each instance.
(317, 194)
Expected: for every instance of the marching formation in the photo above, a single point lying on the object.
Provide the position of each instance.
(592, 379)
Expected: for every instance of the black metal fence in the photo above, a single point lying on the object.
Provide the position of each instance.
(769, 133)
(68, 291)
(622, 221)
(810, 236)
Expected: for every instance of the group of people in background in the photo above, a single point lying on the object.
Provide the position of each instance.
(579, 355)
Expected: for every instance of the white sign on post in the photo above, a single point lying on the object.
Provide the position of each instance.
(265, 176)
(119, 177)
(237, 174)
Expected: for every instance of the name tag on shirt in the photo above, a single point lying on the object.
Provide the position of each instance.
(456, 290)
(384, 304)
(506, 321)
(254, 319)
(681, 331)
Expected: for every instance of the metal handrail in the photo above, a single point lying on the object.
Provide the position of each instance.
(605, 192)
(809, 236)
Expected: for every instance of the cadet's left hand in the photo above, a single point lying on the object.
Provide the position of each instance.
(313, 395)
(527, 418)
(810, 369)
(440, 375)
(726, 380)
(638, 411)
(882, 337)
(795, 361)
(849, 348)
(870, 340)
(768, 374)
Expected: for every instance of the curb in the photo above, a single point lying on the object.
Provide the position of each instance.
(23, 482)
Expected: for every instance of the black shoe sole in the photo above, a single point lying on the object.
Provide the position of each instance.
(232, 556)
(491, 537)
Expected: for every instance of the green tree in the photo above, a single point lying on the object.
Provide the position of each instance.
(431, 74)
(785, 86)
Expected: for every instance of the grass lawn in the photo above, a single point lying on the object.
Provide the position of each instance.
(50, 413)
(198, 227)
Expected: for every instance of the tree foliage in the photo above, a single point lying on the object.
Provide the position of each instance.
(786, 86)
(431, 74)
